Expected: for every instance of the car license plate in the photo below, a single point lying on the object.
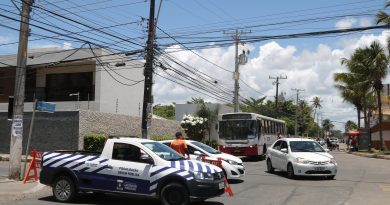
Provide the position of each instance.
(221, 185)
(319, 168)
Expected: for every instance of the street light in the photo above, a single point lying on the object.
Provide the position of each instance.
(78, 99)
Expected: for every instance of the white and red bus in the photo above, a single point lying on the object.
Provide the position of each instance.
(248, 134)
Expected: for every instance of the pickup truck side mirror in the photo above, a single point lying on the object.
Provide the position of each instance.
(284, 150)
(197, 153)
(146, 159)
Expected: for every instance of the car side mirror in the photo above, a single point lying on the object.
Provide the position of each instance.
(197, 153)
(284, 150)
(326, 150)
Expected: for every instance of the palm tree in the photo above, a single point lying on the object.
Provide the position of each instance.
(253, 105)
(316, 103)
(327, 125)
(368, 66)
(382, 17)
(350, 125)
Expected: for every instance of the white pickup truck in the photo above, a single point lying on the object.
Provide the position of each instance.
(131, 166)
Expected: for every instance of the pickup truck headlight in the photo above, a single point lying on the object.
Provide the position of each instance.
(230, 162)
(301, 160)
(203, 176)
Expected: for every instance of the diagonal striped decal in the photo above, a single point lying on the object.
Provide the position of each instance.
(208, 169)
(50, 156)
(60, 159)
(199, 167)
(158, 171)
(100, 169)
(70, 161)
(57, 158)
(191, 166)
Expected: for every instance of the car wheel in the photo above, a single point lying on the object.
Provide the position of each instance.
(270, 169)
(290, 171)
(174, 194)
(64, 189)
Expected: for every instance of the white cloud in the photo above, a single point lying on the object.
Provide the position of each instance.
(312, 70)
(365, 22)
(67, 45)
(5, 39)
(345, 23)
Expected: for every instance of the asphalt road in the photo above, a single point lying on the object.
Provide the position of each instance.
(360, 181)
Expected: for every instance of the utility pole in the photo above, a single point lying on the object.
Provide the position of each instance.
(277, 87)
(148, 73)
(236, 75)
(296, 111)
(20, 81)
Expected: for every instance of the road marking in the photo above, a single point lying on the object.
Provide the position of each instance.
(385, 188)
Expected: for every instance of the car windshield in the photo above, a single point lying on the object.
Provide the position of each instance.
(163, 151)
(206, 148)
(305, 146)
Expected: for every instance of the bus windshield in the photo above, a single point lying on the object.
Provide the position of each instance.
(237, 129)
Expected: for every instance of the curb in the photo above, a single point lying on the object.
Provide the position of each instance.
(369, 155)
(36, 188)
(2, 158)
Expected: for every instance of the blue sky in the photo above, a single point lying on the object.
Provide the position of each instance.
(309, 63)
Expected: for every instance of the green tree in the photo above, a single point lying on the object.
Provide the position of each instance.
(316, 103)
(350, 125)
(165, 111)
(327, 125)
(195, 100)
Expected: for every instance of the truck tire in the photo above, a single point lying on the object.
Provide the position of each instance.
(174, 194)
(270, 169)
(64, 189)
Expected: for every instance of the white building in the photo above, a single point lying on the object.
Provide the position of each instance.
(75, 79)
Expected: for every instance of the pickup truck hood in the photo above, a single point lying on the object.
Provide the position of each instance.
(193, 165)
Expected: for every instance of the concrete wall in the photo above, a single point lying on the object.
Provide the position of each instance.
(113, 124)
(52, 131)
(116, 97)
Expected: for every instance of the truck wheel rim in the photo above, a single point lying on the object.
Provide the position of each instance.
(174, 197)
(62, 190)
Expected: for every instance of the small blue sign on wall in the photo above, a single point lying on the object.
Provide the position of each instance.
(45, 106)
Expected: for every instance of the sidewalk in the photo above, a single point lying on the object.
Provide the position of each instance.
(11, 190)
(343, 147)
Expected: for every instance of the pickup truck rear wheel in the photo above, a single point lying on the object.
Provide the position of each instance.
(64, 189)
(174, 194)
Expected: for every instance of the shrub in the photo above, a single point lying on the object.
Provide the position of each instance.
(194, 126)
(94, 142)
(161, 138)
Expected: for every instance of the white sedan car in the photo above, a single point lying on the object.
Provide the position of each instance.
(302, 157)
(232, 166)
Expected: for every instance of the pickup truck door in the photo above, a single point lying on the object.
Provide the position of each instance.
(128, 171)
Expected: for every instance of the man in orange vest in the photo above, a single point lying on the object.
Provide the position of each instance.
(179, 145)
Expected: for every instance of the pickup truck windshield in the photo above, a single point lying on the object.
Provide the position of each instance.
(163, 151)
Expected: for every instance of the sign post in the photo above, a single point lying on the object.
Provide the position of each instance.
(41, 106)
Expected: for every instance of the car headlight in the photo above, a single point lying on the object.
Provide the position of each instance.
(230, 162)
(301, 160)
(332, 161)
(203, 176)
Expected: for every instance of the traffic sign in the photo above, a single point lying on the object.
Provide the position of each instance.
(45, 106)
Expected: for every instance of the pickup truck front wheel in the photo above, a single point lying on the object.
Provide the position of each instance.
(174, 194)
(64, 189)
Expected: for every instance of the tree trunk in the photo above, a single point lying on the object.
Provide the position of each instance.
(358, 115)
(382, 144)
(365, 117)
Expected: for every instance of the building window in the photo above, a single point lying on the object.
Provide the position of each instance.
(60, 86)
